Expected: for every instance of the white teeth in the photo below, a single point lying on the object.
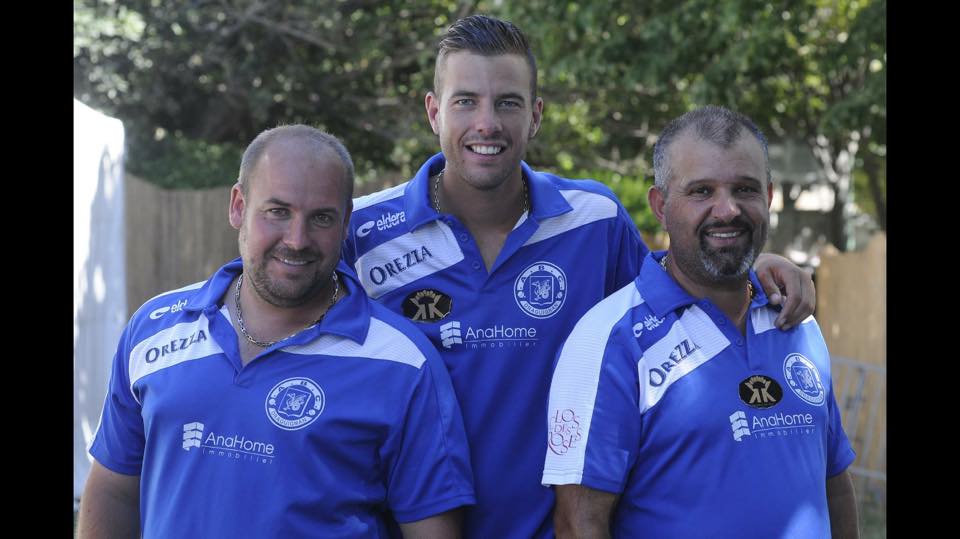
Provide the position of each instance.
(294, 262)
(486, 150)
(724, 234)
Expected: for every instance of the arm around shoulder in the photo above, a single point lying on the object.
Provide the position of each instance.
(842, 503)
(110, 505)
(775, 273)
(582, 512)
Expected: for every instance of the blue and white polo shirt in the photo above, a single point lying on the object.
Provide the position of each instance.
(498, 331)
(702, 431)
(323, 435)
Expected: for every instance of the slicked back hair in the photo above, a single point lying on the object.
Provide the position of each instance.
(486, 36)
(718, 125)
(304, 133)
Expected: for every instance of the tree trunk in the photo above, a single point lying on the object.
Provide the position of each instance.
(871, 166)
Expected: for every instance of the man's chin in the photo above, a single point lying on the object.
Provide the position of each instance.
(285, 295)
(727, 265)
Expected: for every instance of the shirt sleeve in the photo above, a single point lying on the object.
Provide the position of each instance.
(119, 442)
(840, 454)
(593, 423)
(428, 459)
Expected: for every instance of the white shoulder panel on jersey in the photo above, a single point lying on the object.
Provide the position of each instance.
(193, 286)
(587, 208)
(366, 201)
(383, 342)
(169, 347)
(577, 376)
(402, 260)
(692, 341)
(763, 319)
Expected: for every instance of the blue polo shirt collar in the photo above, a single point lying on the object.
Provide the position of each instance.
(664, 295)
(545, 198)
(349, 318)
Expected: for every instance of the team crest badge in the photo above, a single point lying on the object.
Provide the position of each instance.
(294, 403)
(541, 290)
(804, 379)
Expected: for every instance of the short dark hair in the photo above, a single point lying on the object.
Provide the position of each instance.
(718, 125)
(320, 139)
(486, 36)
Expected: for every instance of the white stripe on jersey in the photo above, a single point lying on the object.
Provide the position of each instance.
(693, 339)
(169, 347)
(184, 289)
(762, 319)
(587, 208)
(400, 261)
(383, 342)
(576, 378)
(366, 201)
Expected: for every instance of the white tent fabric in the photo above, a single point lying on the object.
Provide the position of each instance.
(99, 267)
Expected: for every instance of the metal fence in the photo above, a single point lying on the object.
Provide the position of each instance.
(861, 391)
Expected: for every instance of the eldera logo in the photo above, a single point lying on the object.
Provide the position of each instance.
(386, 221)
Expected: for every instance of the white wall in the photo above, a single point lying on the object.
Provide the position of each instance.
(99, 294)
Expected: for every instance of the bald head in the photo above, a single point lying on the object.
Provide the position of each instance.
(294, 141)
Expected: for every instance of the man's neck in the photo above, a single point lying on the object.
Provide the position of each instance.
(732, 298)
(489, 215)
(267, 322)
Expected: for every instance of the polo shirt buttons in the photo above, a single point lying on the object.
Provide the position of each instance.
(463, 237)
(476, 265)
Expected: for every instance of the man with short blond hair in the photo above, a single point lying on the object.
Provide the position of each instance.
(277, 400)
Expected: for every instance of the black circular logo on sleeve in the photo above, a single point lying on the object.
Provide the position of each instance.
(427, 305)
(760, 391)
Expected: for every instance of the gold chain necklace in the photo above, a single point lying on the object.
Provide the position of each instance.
(264, 344)
(436, 193)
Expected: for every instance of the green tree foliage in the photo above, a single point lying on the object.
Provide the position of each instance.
(216, 72)
(617, 71)
(196, 81)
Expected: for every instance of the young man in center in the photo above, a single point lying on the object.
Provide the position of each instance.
(496, 262)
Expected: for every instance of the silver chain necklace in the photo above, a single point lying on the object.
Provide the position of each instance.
(264, 344)
(436, 193)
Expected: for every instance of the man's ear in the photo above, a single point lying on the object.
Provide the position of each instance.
(537, 117)
(657, 201)
(237, 206)
(432, 103)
